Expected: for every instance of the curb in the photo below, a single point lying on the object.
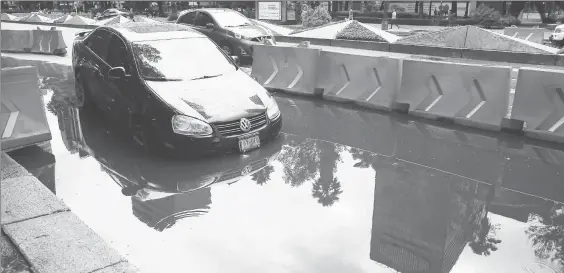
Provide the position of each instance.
(48, 234)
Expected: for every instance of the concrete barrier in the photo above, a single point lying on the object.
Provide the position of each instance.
(509, 57)
(34, 41)
(471, 95)
(291, 69)
(16, 40)
(361, 45)
(48, 42)
(427, 50)
(539, 102)
(23, 119)
(530, 34)
(366, 80)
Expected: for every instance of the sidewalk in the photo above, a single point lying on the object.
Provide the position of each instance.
(12, 260)
(50, 237)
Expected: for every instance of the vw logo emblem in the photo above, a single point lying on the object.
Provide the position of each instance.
(245, 125)
(246, 170)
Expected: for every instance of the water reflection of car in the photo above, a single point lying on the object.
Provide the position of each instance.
(112, 13)
(174, 88)
(164, 191)
(231, 30)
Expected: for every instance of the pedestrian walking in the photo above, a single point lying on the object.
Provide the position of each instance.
(351, 13)
(394, 19)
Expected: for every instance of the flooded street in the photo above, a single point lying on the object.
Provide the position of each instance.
(341, 190)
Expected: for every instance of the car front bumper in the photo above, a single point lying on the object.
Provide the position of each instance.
(185, 145)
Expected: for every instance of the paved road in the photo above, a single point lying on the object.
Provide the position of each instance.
(342, 190)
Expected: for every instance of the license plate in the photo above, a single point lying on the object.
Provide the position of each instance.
(249, 143)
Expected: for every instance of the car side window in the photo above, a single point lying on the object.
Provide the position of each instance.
(202, 19)
(119, 54)
(188, 18)
(98, 43)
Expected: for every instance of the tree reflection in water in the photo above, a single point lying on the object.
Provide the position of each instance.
(304, 159)
(145, 55)
(547, 234)
(484, 241)
(263, 176)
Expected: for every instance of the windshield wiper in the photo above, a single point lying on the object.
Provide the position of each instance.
(205, 77)
(155, 79)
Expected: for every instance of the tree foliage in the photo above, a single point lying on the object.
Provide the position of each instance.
(314, 17)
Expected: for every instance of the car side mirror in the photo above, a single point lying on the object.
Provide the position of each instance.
(210, 26)
(236, 60)
(117, 73)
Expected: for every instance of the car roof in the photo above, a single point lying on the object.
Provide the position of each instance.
(146, 31)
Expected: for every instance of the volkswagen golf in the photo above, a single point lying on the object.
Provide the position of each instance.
(174, 88)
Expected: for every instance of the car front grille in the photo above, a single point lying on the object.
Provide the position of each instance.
(234, 173)
(232, 128)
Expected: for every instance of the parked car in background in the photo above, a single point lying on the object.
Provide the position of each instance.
(557, 36)
(112, 13)
(231, 30)
(174, 88)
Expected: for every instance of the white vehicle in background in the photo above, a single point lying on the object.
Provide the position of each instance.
(557, 37)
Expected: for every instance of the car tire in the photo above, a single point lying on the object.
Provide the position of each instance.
(83, 96)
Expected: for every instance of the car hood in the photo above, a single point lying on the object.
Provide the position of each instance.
(219, 99)
(250, 31)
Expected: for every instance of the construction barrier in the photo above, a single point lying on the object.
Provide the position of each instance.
(34, 41)
(530, 34)
(539, 102)
(292, 69)
(366, 80)
(471, 95)
(48, 42)
(22, 119)
(16, 40)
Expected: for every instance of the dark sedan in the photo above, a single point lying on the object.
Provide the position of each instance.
(231, 30)
(174, 88)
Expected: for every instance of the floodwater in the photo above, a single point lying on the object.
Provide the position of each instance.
(341, 190)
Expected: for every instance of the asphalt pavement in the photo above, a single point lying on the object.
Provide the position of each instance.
(341, 190)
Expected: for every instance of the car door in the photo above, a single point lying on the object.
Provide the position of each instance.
(202, 19)
(93, 66)
(122, 92)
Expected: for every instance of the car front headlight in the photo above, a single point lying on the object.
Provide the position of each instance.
(272, 110)
(189, 126)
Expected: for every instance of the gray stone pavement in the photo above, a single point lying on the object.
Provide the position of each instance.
(49, 236)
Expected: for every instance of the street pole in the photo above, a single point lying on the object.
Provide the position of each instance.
(385, 16)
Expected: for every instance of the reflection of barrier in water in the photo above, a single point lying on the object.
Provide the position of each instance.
(422, 217)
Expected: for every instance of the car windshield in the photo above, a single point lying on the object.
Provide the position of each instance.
(180, 59)
(558, 30)
(230, 19)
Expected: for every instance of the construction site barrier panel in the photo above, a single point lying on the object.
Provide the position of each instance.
(16, 40)
(471, 95)
(48, 42)
(22, 115)
(365, 80)
(530, 34)
(291, 69)
(539, 102)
